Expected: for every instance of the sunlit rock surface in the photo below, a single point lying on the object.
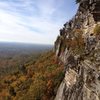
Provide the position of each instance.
(78, 48)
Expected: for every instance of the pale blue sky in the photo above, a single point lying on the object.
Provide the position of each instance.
(34, 21)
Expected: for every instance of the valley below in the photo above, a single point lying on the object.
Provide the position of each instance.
(28, 72)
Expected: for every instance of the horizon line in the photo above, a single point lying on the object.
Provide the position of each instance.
(25, 43)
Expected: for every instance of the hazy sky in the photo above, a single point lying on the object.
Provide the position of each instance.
(34, 21)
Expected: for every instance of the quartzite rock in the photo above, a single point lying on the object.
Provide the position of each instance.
(80, 54)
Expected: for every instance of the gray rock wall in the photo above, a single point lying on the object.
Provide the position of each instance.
(79, 49)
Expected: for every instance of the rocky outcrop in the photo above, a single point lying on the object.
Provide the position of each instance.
(78, 48)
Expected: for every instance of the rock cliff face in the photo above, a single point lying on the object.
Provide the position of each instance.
(78, 48)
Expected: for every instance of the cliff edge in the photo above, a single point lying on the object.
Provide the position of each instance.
(78, 48)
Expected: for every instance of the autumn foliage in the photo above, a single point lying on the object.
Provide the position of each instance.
(97, 29)
(39, 82)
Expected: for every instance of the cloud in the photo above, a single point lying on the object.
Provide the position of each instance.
(33, 21)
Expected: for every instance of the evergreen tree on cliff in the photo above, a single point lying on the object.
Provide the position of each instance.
(77, 1)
